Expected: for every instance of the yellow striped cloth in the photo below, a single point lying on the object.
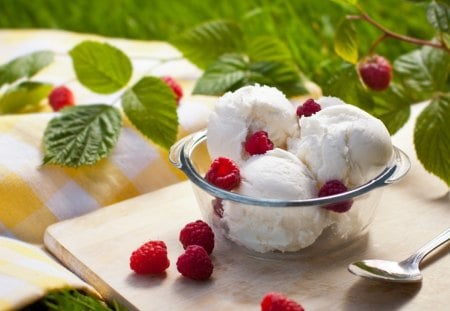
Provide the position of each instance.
(27, 273)
(34, 196)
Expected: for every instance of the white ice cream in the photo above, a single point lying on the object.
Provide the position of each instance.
(339, 142)
(343, 142)
(277, 174)
(238, 114)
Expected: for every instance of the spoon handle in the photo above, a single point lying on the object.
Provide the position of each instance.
(420, 254)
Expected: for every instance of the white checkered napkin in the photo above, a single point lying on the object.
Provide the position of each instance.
(27, 273)
(34, 196)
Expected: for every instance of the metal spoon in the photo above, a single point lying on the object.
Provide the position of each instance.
(406, 271)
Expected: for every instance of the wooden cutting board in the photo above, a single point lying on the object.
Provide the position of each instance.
(97, 247)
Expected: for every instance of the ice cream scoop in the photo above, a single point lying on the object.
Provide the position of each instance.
(343, 142)
(238, 114)
(277, 174)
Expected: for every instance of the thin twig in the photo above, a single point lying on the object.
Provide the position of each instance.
(391, 34)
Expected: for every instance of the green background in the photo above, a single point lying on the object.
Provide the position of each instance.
(307, 26)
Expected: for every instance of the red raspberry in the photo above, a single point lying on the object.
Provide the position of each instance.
(195, 263)
(198, 233)
(61, 97)
(224, 173)
(258, 143)
(308, 108)
(175, 86)
(376, 72)
(150, 258)
(334, 187)
(277, 302)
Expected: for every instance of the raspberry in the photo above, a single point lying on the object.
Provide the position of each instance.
(150, 258)
(308, 108)
(376, 72)
(175, 86)
(61, 97)
(334, 187)
(195, 263)
(258, 143)
(277, 302)
(198, 233)
(224, 173)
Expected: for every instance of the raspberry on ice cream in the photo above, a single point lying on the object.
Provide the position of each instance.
(197, 233)
(258, 143)
(335, 187)
(224, 173)
(308, 108)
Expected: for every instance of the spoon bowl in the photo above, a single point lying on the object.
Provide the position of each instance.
(406, 271)
(386, 270)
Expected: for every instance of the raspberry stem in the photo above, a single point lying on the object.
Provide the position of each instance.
(394, 35)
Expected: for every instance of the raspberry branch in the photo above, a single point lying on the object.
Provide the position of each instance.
(389, 33)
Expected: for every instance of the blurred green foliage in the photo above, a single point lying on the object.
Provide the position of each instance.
(307, 26)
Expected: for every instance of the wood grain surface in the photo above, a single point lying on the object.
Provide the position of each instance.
(97, 247)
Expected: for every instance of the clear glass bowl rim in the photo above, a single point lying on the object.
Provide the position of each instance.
(180, 156)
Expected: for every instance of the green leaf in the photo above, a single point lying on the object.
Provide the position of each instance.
(266, 48)
(25, 66)
(423, 71)
(346, 85)
(82, 135)
(101, 67)
(346, 41)
(203, 44)
(438, 15)
(73, 300)
(226, 74)
(392, 107)
(269, 56)
(151, 106)
(432, 137)
(25, 95)
(232, 71)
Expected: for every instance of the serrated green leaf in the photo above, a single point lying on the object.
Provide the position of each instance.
(232, 71)
(226, 74)
(423, 71)
(438, 15)
(432, 137)
(25, 66)
(151, 106)
(25, 95)
(392, 107)
(101, 67)
(346, 41)
(82, 135)
(203, 44)
(266, 48)
(346, 85)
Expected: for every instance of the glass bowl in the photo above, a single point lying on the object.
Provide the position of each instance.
(273, 228)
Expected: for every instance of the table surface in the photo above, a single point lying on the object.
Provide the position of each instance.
(97, 247)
